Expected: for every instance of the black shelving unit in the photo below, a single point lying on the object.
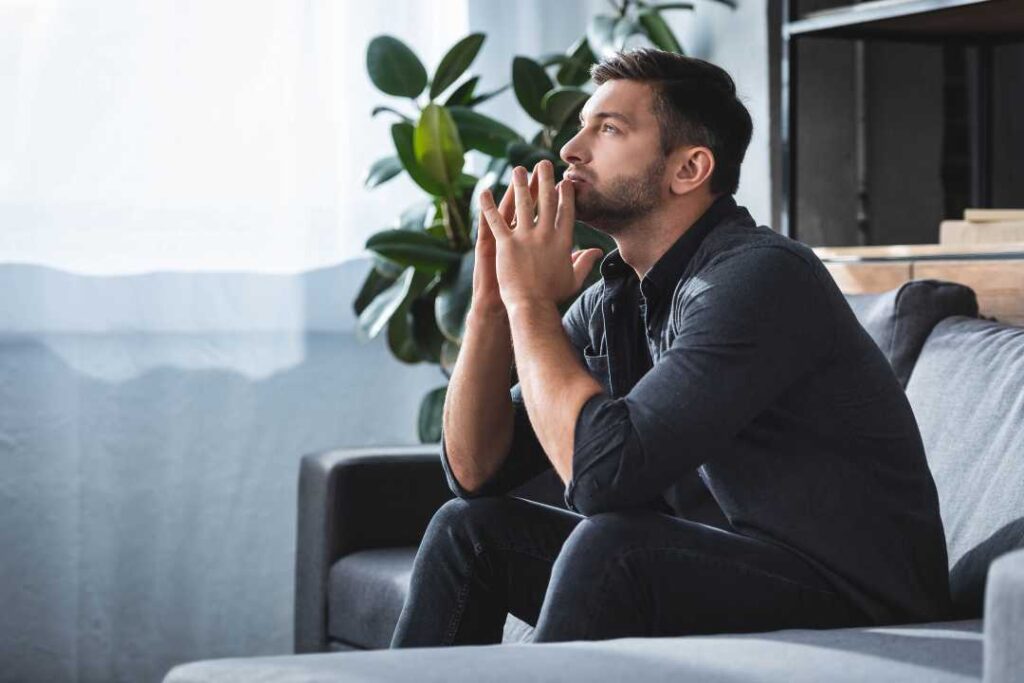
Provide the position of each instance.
(977, 24)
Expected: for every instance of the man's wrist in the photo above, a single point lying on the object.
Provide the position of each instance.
(528, 308)
(487, 317)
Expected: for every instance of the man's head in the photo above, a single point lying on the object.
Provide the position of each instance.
(660, 128)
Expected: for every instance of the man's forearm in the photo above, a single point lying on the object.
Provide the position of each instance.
(478, 412)
(555, 386)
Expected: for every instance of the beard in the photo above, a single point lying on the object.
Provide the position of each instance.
(624, 201)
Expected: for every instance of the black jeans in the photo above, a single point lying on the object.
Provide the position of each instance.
(616, 574)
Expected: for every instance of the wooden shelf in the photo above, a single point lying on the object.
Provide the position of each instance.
(988, 21)
(921, 252)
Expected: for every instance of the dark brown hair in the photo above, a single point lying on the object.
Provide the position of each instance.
(695, 103)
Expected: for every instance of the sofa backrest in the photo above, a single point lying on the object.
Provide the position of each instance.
(967, 392)
(900, 319)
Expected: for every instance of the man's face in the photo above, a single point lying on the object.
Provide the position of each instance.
(615, 161)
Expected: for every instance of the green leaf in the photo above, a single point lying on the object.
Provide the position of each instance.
(552, 59)
(437, 146)
(624, 28)
(425, 332)
(431, 415)
(680, 5)
(374, 284)
(477, 99)
(600, 35)
(375, 316)
(461, 95)
(563, 104)
(402, 134)
(481, 132)
(418, 249)
(658, 31)
(381, 108)
(382, 171)
(576, 70)
(531, 83)
(415, 217)
(394, 68)
(525, 154)
(449, 355)
(386, 267)
(455, 62)
(453, 299)
(400, 338)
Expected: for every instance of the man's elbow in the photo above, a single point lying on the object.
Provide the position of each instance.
(587, 497)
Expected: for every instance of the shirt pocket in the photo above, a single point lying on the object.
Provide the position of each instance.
(598, 367)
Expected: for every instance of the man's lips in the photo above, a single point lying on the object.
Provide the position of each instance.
(576, 177)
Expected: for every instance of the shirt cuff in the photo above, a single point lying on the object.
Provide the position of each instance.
(583, 430)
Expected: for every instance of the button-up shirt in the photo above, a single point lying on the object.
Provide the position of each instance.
(737, 358)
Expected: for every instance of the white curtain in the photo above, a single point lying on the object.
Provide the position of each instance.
(194, 135)
(182, 221)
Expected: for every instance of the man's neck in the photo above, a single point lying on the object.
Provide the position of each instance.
(642, 244)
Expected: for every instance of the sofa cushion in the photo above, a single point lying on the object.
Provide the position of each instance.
(365, 595)
(967, 392)
(924, 653)
(900, 319)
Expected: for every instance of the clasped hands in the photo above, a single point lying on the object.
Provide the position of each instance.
(524, 247)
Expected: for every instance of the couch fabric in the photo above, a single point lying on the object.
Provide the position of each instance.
(967, 392)
(901, 319)
(931, 653)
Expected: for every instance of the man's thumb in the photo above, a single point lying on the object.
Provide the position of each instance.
(585, 263)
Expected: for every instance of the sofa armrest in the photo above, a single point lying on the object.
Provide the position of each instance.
(356, 499)
(1004, 619)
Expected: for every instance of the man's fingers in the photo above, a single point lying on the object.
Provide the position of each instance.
(547, 202)
(495, 221)
(524, 202)
(508, 203)
(565, 219)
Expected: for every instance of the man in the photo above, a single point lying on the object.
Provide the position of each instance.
(710, 344)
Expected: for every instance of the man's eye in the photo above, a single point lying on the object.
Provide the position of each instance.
(611, 128)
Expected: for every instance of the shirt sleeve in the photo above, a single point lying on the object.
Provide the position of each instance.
(526, 457)
(753, 326)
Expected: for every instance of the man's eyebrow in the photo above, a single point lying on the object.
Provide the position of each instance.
(609, 115)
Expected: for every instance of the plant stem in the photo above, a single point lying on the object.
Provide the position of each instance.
(453, 224)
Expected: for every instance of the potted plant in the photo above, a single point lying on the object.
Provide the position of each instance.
(418, 289)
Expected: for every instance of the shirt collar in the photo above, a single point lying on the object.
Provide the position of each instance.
(664, 274)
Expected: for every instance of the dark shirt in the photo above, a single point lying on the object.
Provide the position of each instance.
(736, 356)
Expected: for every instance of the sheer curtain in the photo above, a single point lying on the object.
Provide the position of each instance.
(182, 222)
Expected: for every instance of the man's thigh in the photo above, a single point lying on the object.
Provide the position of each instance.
(641, 573)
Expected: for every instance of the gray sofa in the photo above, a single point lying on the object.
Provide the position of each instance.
(362, 512)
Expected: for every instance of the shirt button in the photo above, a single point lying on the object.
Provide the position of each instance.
(613, 308)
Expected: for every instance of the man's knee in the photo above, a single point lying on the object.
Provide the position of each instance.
(600, 538)
(470, 518)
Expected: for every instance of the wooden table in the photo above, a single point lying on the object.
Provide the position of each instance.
(994, 271)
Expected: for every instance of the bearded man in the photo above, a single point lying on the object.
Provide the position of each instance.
(712, 350)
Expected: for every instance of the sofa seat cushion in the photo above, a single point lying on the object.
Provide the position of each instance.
(365, 594)
(967, 392)
(925, 653)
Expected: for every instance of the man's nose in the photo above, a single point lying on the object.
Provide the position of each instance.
(573, 151)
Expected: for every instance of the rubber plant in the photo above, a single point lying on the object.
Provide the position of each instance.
(418, 289)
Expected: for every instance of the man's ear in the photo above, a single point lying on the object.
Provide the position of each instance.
(693, 167)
